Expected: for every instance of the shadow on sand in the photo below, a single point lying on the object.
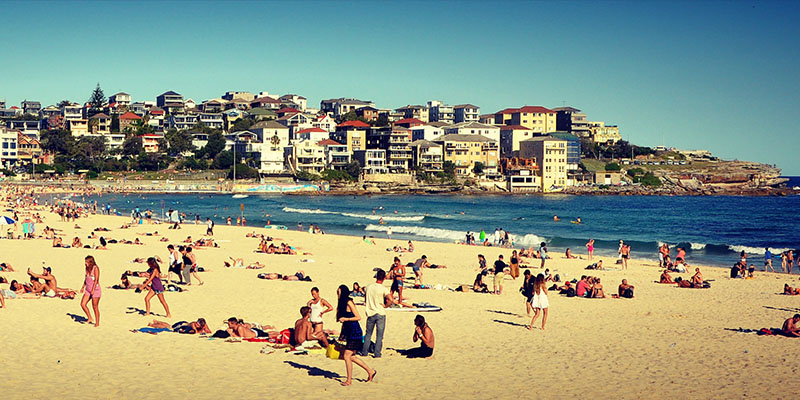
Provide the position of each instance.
(314, 371)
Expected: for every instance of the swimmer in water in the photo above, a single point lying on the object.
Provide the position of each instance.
(578, 220)
(555, 218)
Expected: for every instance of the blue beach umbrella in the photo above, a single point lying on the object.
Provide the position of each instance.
(7, 221)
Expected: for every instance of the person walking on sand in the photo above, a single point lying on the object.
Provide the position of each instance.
(499, 274)
(91, 290)
(376, 299)
(768, 260)
(540, 304)
(193, 266)
(347, 314)
(543, 254)
(156, 287)
(590, 248)
(210, 229)
(625, 253)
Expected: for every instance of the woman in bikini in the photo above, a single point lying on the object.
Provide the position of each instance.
(590, 248)
(319, 306)
(91, 290)
(156, 286)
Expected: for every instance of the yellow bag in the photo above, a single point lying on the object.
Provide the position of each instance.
(335, 351)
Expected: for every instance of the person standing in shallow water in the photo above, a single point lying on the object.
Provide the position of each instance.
(91, 290)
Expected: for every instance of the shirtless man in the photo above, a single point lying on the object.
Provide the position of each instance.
(790, 326)
(50, 282)
(424, 334)
(665, 277)
(398, 273)
(623, 287)
(697, 278)
(303, 333)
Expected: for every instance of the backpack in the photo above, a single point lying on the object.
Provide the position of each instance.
(571, 292)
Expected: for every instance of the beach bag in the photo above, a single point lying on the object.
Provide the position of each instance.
(285, 336)
(335, 351)
(571, 292)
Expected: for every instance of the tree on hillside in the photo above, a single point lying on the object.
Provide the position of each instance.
(353, 168)
(58, 141)
(215, 144)
(90, 146)
(242, 124)
(223, 160)
(63, 103)
(478, 168)
(98, 99)
(132, 146)
(179, 141)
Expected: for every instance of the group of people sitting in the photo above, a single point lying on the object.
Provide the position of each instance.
(401, 249)
(740, 270)
(40, 285)
(695, 282)
(270, 248)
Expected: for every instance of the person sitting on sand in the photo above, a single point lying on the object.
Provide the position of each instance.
(76, 242)
(597, 290)
(424, 334)
(790, 328)
(665, 277)
(790, 291)
(582, 289)
(358, 291)
(568, 254)
(625, 289)
(697, 278)
(304, 333)
(478, 286)
(57, 242)
(52, 284)
(367, 241)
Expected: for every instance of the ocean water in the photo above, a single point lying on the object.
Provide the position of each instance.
(712, 229)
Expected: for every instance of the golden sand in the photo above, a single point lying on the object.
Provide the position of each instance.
(665, 343)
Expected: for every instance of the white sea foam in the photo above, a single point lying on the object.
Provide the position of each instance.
(755, 250)
(438, 233)
(372, 217)
(697, 246)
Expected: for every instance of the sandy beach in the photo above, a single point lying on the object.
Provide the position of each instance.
(665, 343)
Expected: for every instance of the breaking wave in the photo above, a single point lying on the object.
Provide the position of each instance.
(371, 217)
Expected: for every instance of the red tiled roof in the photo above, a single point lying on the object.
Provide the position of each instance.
(156, 112)
(514, 128)
(287, 110)
(14, 108)
(409, 121)
(265, 99)
(527, 109)
(129, 115)
(311, 130)
(536, 109)
(328, 142)
(355, 124)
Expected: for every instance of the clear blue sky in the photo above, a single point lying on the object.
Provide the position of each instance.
(722, 76)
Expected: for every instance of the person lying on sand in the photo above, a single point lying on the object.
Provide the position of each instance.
(298, 276)
(148, 233)
(144, 260)
(790, 327)
(238, 328)
(665, 277)
(6, 267)
(790, 291)
(197, 327)
(597, 266)
(235, 263)
(126, 284)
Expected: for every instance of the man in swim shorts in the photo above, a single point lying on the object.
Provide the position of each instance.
(499, 274)
(790, 326)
